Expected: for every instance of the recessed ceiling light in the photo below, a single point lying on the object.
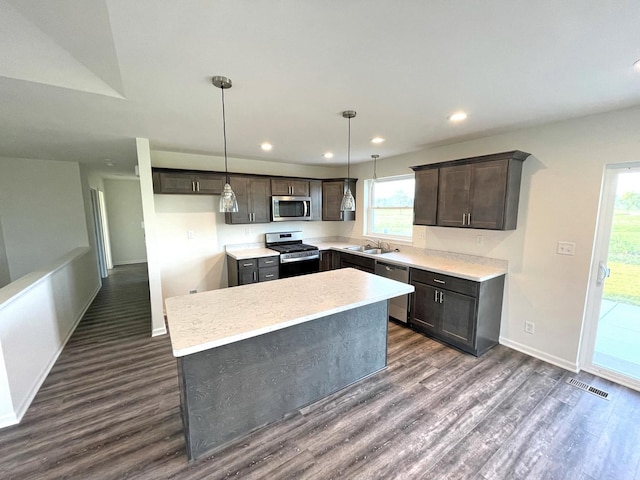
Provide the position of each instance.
(637, 65)
(266, 146)
(457, 117)
(377, 140)
(109, 163)
(328, 155)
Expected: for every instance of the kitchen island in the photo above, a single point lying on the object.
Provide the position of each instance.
(249, 355)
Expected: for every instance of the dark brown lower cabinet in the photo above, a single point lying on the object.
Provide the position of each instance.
(349, 260)
(252, 270)
(328, 260)
(459, 312)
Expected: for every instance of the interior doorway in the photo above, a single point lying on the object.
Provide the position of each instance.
(612, 333)
(103, 250)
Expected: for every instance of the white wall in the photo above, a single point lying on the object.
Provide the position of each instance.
(5, 274)
(124, 213)
(38, 314)
(143, 153)
(200, 263)
(42, 210)
(558, 202)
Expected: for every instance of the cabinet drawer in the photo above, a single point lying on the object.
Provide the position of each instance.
(268, 261)
(248, 264)
(446, 282)
(266, 274)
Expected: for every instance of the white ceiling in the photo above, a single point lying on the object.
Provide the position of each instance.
(80, 79)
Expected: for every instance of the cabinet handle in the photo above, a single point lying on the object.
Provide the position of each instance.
(269, 276)
(468, 219)
(435, 296)
(439, 281)
(464, 218)
(441, 297)
(198, 186)
(247, 264)
(193, 186)
(268, 262)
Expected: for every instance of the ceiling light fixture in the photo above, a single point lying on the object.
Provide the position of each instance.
(377, 140)
(228, 201)
(348, 203)
(328, 155)
(458, 117)
(266, 146)
(375, 173)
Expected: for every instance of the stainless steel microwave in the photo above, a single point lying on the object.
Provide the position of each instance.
(287, 208)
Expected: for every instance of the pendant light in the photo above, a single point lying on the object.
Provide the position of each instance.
(348, 203)
(375, 173)
(228, 201)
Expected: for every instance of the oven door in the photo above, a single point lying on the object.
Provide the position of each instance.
(303, 267)
(285, 208)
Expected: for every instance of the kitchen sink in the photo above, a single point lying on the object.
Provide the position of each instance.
(371, 251)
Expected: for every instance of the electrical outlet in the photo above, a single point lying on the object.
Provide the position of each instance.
(479, 240)
(193, 291)
(247, 232)
(566, 248)
(190, 234)
(530, 327)
(423, 234)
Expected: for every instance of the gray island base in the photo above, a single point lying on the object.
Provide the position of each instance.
(234, 384)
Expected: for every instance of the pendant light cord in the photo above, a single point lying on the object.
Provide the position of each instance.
(224, 136)
(349, 151)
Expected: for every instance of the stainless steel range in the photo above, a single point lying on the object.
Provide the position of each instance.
(296, 258)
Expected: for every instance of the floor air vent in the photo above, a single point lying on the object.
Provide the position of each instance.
(588, 388)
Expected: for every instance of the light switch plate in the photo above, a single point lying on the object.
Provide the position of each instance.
(566, 248)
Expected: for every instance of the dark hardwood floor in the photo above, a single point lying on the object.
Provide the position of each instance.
(110, 410)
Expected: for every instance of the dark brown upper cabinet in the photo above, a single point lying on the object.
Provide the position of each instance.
(477, 192)
(332, 193)
(254, 200)
(187, 182)
(290, 186)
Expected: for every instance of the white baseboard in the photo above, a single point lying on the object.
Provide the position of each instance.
(159, 331)
(533, 352)
(130, 262)
(22, 409)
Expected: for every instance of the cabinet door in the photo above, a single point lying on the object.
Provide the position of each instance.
(299, 188)
(426, 308)
(315, 192)
(332, 193)
(454, 187)
(488, 194)
(240, 186)
(425, 204)
(209, 183)
(280, 186)
(458, 318)
(326, 260)
(176, 183)
(260, 199)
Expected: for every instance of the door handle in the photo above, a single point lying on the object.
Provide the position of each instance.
(603, 272)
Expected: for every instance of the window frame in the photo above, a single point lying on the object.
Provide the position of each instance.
(370, 209)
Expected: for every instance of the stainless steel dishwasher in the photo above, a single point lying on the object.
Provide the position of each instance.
(398, 307)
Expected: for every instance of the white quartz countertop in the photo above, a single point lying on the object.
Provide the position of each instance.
(448, 265)
(246, 253)
(207, 320)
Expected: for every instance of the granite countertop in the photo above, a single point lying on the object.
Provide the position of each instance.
(445, 263)
(211, 319)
